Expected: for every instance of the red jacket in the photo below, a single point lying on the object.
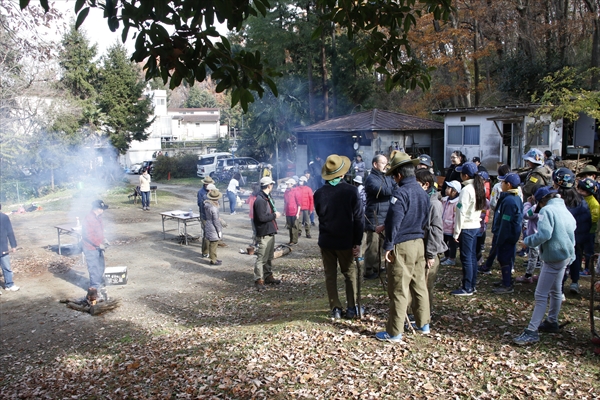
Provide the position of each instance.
(305, 195)
(250, 201)
(291, 202)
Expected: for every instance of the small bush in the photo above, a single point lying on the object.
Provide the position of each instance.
(179, 166)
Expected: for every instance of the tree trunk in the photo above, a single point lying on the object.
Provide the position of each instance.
(476, 61)
(324, 75)
(309, 72)
(592, 6)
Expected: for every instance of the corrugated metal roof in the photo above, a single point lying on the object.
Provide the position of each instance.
(197, 118)
(373, 120)
(512, 108)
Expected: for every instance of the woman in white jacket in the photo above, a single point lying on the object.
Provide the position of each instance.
(145, 189)
(468, 222)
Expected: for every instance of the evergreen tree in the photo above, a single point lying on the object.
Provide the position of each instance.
(76, 58)
(121, 98)
(200, 98)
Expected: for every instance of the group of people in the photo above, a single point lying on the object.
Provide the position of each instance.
(410, 227)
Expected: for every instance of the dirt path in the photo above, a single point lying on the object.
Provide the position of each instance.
(163, 275)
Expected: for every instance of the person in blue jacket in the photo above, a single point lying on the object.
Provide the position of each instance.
(506, 228)
(556, 240)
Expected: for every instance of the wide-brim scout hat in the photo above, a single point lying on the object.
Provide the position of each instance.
(335, 166)
(399, 159)
(214, 194)
(99, 204)
(588, 169)
(207, 180)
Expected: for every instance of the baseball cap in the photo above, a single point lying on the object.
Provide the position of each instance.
(266, 181)
(425, 160)
(476, 159)
(513, 179)
(303, 179)
(99, 204)
(484, 175)
(543, 192)
(455, 185)
(290, 181)
(468, 168)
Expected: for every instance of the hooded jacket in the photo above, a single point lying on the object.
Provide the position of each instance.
(508, 218)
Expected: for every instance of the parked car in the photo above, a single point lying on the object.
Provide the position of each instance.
(238, 163)
(207, 163)
(135, 168)
(147, 164)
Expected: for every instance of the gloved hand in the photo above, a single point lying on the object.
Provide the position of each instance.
(220, 235)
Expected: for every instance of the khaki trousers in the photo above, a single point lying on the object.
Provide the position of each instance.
(212, 250)
(431, 278)
(264, 256)
(305, 218)
(331, 259)
(205, 242)
(407, 273)
(373, 256)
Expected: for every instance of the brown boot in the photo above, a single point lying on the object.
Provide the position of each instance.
(259, 284)
(272, 281)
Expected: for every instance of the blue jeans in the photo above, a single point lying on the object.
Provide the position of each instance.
(6, 271)
(467, 242)
(145, 199)
(232, 201)
(95, 265)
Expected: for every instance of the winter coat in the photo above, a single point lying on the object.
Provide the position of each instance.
(467, 217)
(202, 193)
(451, 175)
(535, 179)
(378, 189)
(7, 234)
(305, 196)
(340, 216)
(449, 214)
(291, 202)
(594, 207)
(434, 229)
(264, 215)
(583, 218)
(508, 218)
(555, 235)
(408, 213)
(531, 217)
(145, 182)
(213, 226)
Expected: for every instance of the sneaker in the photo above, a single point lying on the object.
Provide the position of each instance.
(233, 213)
(336, 313)
(448, 262)
(549, 327)
(527, 337)
(522, 253)
(574, 288)
(564, 298)
(385, 337)
(308, 237)
(218, 262)
(272, 281)
(259, 284)
(524, 279)
(443, 259)
(503, 290)
(313, 224)
(205, 255)
(13, 288)
(483, 270)
(461, 292)
(480, 262)
(424, 330)
(585, 272)
(352, 313)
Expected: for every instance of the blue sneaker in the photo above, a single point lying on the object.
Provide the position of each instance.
(385, 337)
(527, 337)
(448, 262)
(461, 292)
(424, 330)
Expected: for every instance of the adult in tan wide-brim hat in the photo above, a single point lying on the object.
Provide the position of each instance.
(400, 158)
(207, 180)
(214, 195)
(587, 170)
(335, 166)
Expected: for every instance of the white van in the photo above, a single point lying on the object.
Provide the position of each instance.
(207, 163)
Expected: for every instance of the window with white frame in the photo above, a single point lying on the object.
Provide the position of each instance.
(463, 135)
